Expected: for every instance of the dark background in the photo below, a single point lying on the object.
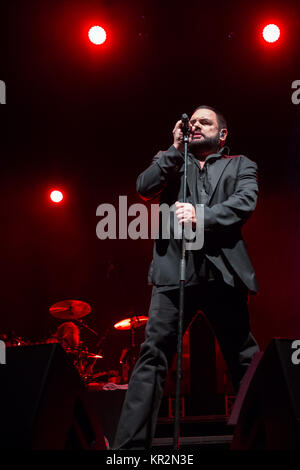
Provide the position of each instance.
(89, 119)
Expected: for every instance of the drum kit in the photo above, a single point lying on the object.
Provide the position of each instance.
(68, 334)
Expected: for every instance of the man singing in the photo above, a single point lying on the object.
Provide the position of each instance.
(219, 276)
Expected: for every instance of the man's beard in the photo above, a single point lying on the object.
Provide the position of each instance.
(207, 144)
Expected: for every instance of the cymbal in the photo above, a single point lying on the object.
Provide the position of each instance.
(92, 355)
(133, 322)
(69, 309)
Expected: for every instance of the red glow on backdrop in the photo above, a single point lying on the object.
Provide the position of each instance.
(97, 35)
(56, 196)
(271, 33)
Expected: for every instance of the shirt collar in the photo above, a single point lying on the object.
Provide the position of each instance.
(213, 156)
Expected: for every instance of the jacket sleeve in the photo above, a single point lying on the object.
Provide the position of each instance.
(240, 205)
(154, 179)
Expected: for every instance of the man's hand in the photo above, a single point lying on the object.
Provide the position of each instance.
(185, 212)
(178, 136)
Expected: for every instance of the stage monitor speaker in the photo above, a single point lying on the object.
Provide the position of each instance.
(86, 431)
(104, 408)
(267, 407)
(39, 389)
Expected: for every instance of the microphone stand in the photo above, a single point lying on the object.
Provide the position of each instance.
(84, 325)
(185, 130)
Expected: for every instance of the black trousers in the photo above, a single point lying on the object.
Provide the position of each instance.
(227, 311)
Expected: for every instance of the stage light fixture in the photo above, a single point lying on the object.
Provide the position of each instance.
(271, 33)
(97, 35)
(56, 196)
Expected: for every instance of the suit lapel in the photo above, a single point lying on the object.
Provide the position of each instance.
(215, 173)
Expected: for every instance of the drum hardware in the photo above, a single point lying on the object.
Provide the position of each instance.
(128, 358)
(68, 334)
(83, 365)
(98, 348)
(17, 341)
(70, 309)
(131, 323)
(91, 355)
(84, 325)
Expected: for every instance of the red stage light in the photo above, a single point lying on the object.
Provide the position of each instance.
(56, 196)
(97, 35)
(271, 33)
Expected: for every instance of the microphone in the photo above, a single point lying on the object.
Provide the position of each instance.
(185, 124)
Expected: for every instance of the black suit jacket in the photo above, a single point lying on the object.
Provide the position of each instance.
(232, 199)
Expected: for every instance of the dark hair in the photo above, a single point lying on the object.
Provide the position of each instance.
(220, 118)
